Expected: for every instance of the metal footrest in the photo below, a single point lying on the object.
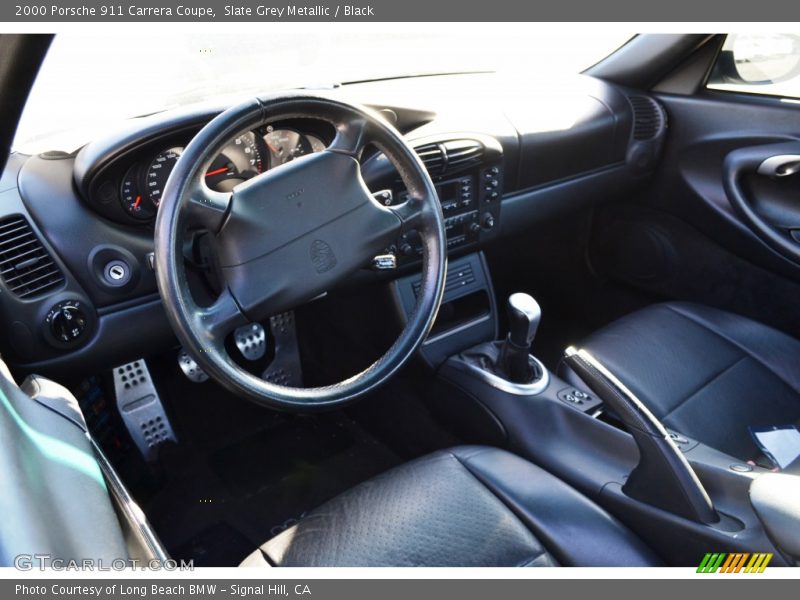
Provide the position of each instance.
(141, 409)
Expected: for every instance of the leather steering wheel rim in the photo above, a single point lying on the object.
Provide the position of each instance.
(240, 222)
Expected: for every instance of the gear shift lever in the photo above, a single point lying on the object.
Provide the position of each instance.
(507, 364)
(524, 315)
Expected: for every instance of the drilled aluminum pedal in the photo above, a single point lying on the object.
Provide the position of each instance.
(285, 367)
(251, 340)
(190, 368)
(141, 409)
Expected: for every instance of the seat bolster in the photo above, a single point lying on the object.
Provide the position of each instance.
(574, 529)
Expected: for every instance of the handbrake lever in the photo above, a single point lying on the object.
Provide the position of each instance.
(663, 476)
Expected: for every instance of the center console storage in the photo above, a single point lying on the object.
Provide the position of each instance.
(467, 315)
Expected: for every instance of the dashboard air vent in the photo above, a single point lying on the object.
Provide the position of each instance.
(462, 153)
(26, 267)
(433, 157)
(647, 117)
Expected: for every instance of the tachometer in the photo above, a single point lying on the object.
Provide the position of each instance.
(158, 172)
(131, 195)
(240, 160)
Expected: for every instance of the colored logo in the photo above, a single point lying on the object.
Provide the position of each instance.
(738, 562)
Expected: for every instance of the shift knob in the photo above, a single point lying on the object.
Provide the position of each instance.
(524, 315)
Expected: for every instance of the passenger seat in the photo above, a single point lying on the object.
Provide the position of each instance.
(705, 373)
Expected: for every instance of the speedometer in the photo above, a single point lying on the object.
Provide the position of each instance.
(158, 172)
(285, 145)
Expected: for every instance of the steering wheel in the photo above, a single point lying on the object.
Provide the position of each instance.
(290, 234)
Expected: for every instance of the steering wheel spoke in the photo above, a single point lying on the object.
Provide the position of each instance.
(221, 318)
(409, 213)
(207, 208)
(351, 136)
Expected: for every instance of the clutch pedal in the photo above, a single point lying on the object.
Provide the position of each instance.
(141, 409)
(285, 367)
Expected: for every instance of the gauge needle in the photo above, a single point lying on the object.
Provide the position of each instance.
(217, 171)
(137, 202)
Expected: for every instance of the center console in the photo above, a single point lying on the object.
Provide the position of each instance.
(683, 498)
(471, 208)
(468, 175)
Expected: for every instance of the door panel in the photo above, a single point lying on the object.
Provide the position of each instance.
(682, 238)
(704, 131)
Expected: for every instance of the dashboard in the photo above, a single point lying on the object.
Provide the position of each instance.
(77, 287)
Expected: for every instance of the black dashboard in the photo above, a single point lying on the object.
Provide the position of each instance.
(77, 289)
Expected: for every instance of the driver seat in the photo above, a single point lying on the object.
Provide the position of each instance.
(462, 507)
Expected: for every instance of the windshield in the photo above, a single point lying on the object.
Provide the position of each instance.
(89, 82)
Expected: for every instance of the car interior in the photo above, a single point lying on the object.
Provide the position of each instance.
(400, 323)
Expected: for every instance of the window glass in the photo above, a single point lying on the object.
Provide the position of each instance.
(90, 82)
(766, 64)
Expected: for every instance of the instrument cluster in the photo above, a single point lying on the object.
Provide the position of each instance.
(142, 183)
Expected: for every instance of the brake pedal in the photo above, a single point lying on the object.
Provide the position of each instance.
(251, 340)
(285, 367)
(141, 409)
(190, 368)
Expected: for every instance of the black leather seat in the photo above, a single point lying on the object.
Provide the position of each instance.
(705, 373)
(467, 506)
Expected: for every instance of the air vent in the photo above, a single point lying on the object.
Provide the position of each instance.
(462, 153)
(26, 267)
(449, 156)
(433, 157)
(647, 117)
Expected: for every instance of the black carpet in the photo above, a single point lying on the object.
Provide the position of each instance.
(215, 507)
(242, 473)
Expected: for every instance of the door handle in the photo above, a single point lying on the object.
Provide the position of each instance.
(780, 165)
(771, 160)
